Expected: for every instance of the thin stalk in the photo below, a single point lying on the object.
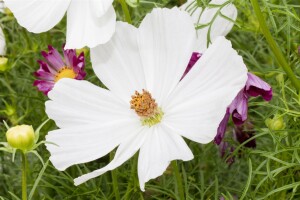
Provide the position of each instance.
(114, 179)
(132, 183)
(274, 47)
(24, 177)
(126, 11)
(178, 179)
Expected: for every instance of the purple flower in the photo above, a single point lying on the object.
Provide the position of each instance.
(255, 87)
(225, 152)
(238, 109)
(222, 128)
(55, 68)
(240, 134)
(243, 133)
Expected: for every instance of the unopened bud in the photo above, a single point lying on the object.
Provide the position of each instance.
(21, 137)
(275, 124)
(3, 64)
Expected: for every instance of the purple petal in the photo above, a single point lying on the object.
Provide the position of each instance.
(245, 132)
(43, 86)
(239, 108)
(44, 75)
(194, 58)
(70, 55)
(255, 87)
(224, 149)
(53, 58)
(222, 128)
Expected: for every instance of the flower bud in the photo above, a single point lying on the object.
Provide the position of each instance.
(275, 124)
(21, 137)
(3, 64)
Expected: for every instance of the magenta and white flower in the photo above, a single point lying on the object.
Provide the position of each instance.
(147, 108)
(55, 68)
(89, 22)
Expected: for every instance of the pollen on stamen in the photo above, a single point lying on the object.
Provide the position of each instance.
(146, 108)
(65, 72)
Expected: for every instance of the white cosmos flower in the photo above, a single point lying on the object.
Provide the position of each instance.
(93, 121)
(89, 22)
(217, 25)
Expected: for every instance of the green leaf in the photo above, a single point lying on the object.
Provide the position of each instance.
(38, 180)
(37, 131)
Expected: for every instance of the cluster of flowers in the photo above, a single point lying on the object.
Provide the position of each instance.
(166, 81)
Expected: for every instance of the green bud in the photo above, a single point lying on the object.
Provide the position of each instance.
(3, 64)
(21, 137)
(280, 79)
(275, 124)
(10, 110)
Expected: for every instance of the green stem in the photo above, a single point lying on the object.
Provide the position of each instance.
(278, 54)
(126, 11)
(178, 179)
(131, 185)
(24, 177)
(114, 179)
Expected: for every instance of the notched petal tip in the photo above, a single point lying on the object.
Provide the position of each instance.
(257, 87)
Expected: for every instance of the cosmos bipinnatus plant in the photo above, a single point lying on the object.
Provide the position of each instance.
(138, 90)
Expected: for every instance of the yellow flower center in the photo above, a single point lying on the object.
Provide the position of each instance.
(146, 108)
(65, 72)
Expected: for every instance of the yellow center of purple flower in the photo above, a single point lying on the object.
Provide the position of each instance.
(146, 108)
(65, 72)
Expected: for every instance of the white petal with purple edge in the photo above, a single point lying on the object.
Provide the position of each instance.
(92, 121)
(38, 15)
(118, 63)
(125, 151)
(165, 49)
(84, 28)
(198, 105)
(159, 149)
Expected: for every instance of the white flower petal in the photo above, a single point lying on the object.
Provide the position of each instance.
(2, 7)
(220, 27)
(100, 7)
(85, 143)
(92, 121)
(75, 103)
(125, 151)
(118, 63)
(198, 105)
(2, 43)
(160, 148)
(192, 7)
(84, 28)
(38, 16)
(166, 41)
